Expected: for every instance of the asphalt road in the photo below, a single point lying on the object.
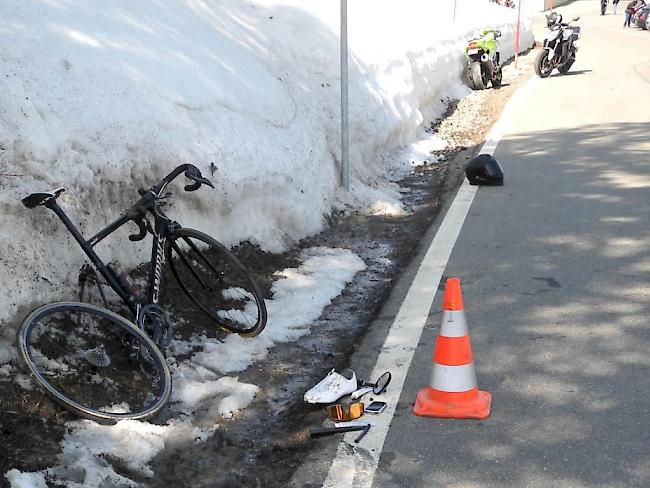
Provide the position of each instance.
(555, 273)
(555, 268)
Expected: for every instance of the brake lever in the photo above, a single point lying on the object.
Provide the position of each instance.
(198, 181)
(194, 174)
(206, 181)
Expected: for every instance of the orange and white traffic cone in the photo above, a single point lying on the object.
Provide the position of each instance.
(453, 392)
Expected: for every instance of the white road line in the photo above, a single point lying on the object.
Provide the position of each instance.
(355, 464)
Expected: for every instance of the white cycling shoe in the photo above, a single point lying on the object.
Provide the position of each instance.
(332, 387)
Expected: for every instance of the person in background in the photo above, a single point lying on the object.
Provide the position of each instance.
(629, 10)
(615, 4)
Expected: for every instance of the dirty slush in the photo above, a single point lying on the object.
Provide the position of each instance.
(262, 445)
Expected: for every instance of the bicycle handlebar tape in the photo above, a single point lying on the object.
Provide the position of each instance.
(453, 392)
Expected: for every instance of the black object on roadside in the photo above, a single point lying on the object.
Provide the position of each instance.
(336, 430)
(484, 170)
(363, 432)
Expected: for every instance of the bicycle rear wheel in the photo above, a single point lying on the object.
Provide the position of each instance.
(94, 362)
(216, 281)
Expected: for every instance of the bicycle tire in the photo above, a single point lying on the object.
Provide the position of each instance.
(213, 278)
(54, 343)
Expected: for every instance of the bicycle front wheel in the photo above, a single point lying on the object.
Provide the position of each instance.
(216, 281)
(94, 362)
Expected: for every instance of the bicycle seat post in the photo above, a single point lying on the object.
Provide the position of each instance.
(56, 208)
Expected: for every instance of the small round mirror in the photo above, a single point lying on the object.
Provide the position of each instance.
(381, 383)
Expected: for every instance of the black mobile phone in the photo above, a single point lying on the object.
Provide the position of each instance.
(375, 407)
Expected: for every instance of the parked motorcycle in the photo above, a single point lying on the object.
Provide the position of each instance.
(559, 46)
(483, 60)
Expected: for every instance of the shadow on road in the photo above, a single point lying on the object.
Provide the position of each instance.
(572, 73)
(557, 292)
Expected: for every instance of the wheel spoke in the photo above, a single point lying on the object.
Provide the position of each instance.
(214, 280)
(201, 255)
(188, 265)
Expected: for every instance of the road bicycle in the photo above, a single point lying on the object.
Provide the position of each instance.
(101, 366)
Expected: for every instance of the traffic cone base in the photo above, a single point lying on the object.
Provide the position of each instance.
(472, 404)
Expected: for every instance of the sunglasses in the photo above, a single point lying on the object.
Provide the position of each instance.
(345, 412)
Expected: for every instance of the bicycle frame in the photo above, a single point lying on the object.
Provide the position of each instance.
(227, 282)
(160, 232)
(147, 204)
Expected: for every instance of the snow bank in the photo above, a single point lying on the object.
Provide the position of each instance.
(103, 97)
(201, 395)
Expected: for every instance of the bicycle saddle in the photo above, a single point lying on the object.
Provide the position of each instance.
(36, 199)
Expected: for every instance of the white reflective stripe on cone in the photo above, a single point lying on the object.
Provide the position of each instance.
(453, 378)
(454, 323)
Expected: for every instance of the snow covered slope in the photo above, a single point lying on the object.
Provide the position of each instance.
(105, 96)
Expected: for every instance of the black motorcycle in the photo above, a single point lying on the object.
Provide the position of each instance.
(559, 46)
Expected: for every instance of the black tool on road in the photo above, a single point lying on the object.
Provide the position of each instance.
(336, 430)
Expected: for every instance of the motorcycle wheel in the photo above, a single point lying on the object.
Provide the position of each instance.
(477, 76)
(543, 65)
(564, 68)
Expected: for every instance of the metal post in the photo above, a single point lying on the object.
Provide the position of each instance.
(345, 136)
(517, 32)
(454, 15)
